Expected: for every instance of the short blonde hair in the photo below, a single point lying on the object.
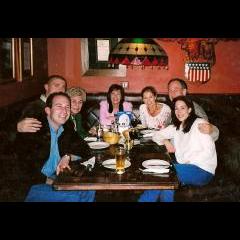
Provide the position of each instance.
(76, 91)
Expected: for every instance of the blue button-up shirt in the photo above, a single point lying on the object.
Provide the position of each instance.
(50, 166)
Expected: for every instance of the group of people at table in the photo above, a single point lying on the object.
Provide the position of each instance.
(51, 129)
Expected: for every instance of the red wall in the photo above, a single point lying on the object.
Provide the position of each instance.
(64, 58)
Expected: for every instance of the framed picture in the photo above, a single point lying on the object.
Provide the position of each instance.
(103, 49)
(27, 58)
(99, 49)
(6, 60)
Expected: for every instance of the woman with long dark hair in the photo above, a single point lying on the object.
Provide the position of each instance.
(195, 152)
(114, 103)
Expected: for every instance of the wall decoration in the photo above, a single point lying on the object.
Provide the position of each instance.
(200, 57)
(197, 72)
(139, 52)
(197, 49)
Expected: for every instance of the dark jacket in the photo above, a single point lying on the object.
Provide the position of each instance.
(79, 125)
(34, 109)
(33, 149)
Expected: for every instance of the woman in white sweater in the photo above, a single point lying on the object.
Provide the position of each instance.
(195, 152)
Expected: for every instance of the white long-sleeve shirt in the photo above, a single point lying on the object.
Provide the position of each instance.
(202, 114)
(193, 147)
(162, 119)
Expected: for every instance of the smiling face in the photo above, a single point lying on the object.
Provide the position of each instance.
(149, 99)
(116, 97)
(175, 89)
(182, 111)
(76, 104)
(59, 113)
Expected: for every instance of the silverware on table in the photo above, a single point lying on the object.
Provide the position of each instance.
(109, 164)
(154, 173)
(160, 165)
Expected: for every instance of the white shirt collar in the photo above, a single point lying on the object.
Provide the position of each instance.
(43, 98)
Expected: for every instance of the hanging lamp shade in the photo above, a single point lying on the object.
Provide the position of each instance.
(138, 52)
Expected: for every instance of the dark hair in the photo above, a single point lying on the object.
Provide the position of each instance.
(112, 88)
(182, 82)
(149, 89)
(53, 95)
(53, 77)
(192, 115)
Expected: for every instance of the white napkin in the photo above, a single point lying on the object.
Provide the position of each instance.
(156, 170)
(90, 161)
(90, 139)
(75, 157)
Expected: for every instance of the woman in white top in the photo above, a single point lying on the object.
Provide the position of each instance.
(153, 114)
(195, 151)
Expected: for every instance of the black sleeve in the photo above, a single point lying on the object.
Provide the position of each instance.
(71, 143)
(32, 150)
(34, 110)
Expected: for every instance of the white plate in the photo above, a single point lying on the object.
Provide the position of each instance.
(98, 145)
(155, 164)
(90, 139)
(111, 163)
(147, 131)
(139, 126)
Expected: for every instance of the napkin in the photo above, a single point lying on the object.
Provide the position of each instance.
(90, 139)
(156, 170)
(90, 161)
(75, 157)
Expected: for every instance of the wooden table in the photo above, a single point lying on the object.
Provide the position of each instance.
(101, 178)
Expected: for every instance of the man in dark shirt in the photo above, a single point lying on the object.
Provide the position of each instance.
(48, 151)
(29, 121)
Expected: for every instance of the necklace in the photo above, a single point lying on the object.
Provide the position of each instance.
(153, 111)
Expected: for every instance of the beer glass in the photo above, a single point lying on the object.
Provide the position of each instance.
(120, 156)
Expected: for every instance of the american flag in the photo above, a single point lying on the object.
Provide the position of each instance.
(197, 72)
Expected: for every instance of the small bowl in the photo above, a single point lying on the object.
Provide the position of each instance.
(111, 138)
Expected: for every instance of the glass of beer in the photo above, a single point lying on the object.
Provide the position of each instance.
(120, 156)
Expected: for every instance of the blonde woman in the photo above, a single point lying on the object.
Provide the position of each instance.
(78, 97)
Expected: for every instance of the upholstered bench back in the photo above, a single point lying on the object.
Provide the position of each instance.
(91, 106)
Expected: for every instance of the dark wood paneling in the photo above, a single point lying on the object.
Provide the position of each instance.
(13, 92)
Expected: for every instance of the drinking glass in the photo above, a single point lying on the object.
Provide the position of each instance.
(120, 156)
(99, 132)
(129, 144)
